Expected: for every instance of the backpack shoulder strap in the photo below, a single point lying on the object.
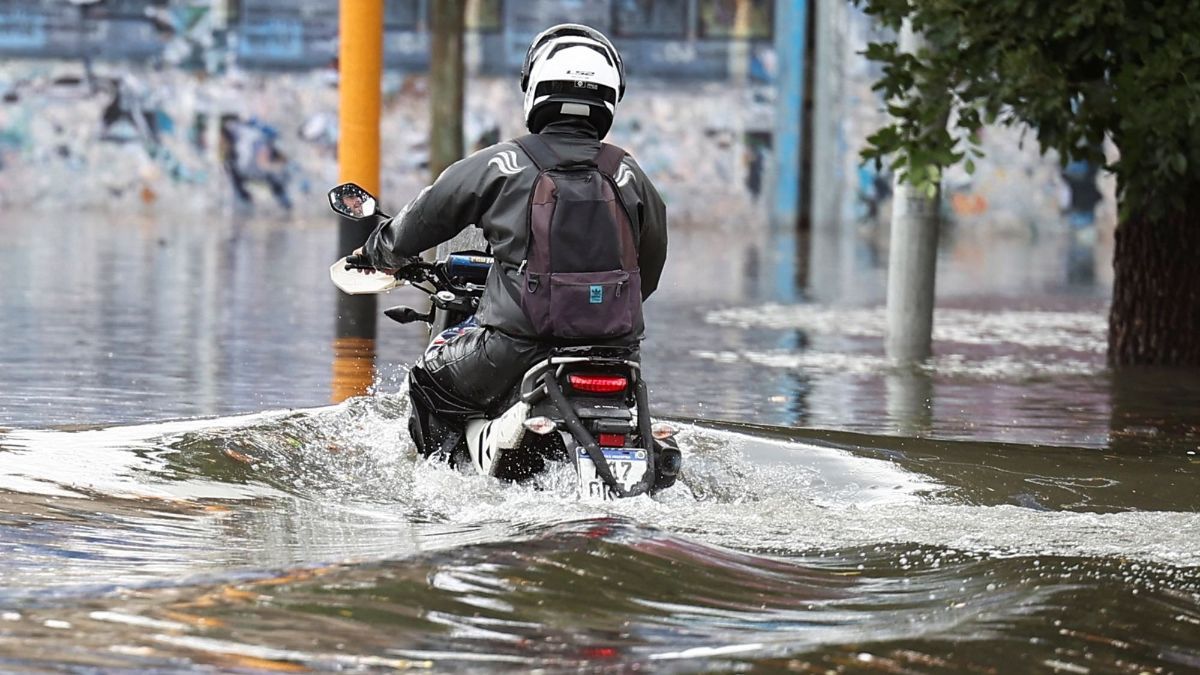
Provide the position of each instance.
(543, 156)
(609, 159)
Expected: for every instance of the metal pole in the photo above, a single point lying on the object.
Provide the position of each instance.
(791, 17)
(738, 61)
(912, 261)
(360, 69)
(826, 176)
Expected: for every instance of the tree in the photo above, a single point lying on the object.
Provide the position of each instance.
(1076, 72)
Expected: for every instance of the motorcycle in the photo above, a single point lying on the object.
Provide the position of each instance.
(583, 404)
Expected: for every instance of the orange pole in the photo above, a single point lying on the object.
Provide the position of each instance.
(360, 71)
(360, 68)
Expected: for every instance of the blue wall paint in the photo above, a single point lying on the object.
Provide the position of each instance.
(791, 19)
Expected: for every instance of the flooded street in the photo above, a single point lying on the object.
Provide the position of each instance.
(178, 494)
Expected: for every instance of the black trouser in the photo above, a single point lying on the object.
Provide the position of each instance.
(480, 366)
(466, 370)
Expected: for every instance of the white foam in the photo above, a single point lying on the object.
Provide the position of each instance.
(1077, 331)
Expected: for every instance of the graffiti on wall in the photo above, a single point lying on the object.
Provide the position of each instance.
(118, 133)
(236, 101)
(196, 101)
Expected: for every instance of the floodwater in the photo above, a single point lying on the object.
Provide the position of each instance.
(178, 494)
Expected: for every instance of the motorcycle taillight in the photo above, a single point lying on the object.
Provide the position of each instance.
(611, 440)
(597, 384)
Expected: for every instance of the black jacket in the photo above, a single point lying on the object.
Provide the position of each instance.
(491, 189)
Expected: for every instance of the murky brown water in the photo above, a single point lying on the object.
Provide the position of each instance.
(1014, 507)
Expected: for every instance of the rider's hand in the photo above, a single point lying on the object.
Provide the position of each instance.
(359, 261)
(410, 271)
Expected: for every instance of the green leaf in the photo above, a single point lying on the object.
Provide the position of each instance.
(1078, 74)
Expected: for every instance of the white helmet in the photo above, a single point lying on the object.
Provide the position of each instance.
(571, 69)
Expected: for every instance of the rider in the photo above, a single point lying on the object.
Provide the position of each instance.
(353, 201)
(572, 78)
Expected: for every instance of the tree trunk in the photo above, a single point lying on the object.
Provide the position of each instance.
(1155, 314)
(446, 85)
(446, 106)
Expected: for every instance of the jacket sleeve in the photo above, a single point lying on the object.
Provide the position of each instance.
(652, 246)
(457, 198)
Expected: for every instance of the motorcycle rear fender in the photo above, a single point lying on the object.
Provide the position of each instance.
(588, 408)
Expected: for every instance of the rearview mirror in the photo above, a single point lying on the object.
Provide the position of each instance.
(352, 201)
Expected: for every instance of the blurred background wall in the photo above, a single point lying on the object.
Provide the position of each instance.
(160, 101)
(187, 104)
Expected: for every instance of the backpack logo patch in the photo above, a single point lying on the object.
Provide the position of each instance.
(506, 162)
(596, 295)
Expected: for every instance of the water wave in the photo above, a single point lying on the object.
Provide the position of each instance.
(316, 539)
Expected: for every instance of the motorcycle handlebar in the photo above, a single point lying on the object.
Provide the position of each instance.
(454, 269)
(417, 270)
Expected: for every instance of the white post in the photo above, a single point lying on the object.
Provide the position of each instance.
(912, 260)
(909, 401)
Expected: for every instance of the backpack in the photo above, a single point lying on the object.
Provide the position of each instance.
(581, 277)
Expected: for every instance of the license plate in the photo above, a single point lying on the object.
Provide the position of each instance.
(628, 466)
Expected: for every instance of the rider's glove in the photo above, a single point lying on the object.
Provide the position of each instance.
(411, 272)
(358, 261)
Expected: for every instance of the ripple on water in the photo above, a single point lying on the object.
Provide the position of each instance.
(609, 592)
(1076, 331)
